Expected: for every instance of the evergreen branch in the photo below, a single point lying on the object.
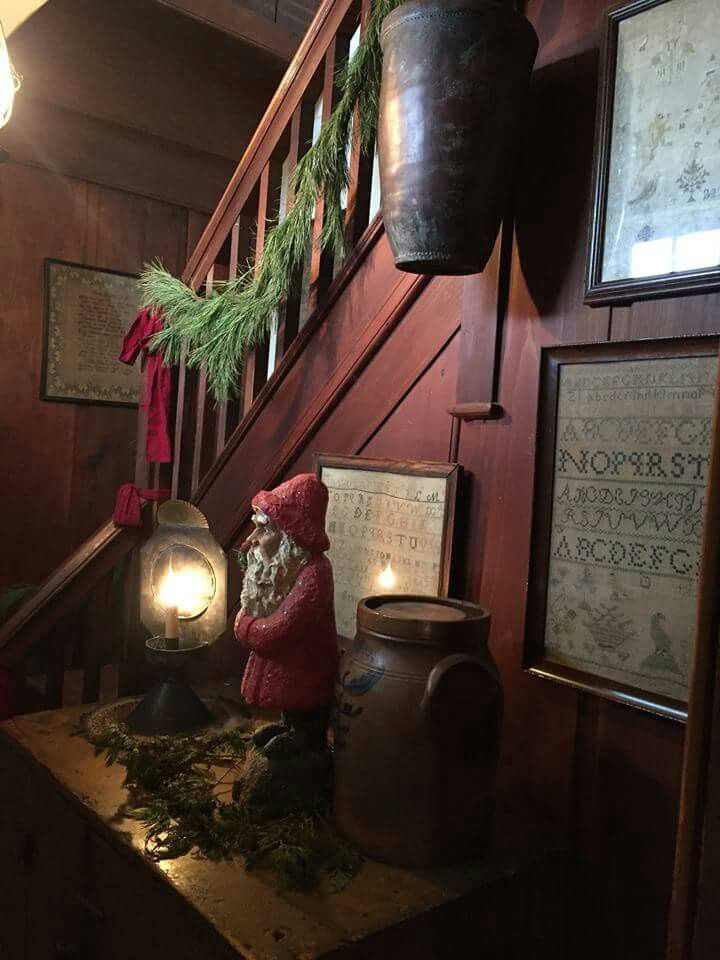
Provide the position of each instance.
(174, 791)
(217, 331)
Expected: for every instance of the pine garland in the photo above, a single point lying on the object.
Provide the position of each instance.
(177, 793)
(217, 331)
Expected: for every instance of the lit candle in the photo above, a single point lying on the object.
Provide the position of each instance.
(172, 625)
(184, 594)
(170, 600)
(387, 578)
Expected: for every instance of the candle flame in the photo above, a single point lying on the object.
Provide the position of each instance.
(184, 590)
(387, 578)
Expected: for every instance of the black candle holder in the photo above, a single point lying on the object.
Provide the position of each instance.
(172, 707)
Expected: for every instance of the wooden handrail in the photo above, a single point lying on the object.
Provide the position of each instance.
(66, 587)
(278, 115)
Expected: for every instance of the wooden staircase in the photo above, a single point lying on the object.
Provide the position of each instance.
(79, 638)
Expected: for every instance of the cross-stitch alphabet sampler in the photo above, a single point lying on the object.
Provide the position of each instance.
(390, 524)
(624, 438)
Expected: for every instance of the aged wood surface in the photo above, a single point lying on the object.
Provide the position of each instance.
(244, 912)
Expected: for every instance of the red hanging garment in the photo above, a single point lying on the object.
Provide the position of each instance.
(158, 382)
(128, 509)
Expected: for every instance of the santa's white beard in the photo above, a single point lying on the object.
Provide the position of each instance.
(268, 582)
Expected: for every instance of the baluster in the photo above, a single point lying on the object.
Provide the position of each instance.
(98, 639)
(55, 667)
(178, 449)
(142, 467)
(256, 360)
(221, 410)
(289, 313)
(132, 666)
(321, 264)
(200, 406)
(110, 672)
(360, 167)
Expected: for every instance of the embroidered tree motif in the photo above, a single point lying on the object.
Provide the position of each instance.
(562, 616)
(692, 179)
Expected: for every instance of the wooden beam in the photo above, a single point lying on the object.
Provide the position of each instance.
(240, 22)
(75, 145)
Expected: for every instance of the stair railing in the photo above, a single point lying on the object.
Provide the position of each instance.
(79, 638)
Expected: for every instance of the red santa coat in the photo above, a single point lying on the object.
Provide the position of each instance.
(294, 654)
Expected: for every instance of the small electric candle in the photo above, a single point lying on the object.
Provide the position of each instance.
(172, 624)
(387, 578)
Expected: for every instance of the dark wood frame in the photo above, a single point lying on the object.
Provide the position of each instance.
(551, 361)
(417, 468)
(626, 290)
(694, 923)
(48, 263)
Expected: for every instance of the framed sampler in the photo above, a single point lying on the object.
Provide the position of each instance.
(623, 451)
(87, 313)
(390, 524)
(655, 225)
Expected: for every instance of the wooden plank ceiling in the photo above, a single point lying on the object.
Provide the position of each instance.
(273, 25)
(276, 26)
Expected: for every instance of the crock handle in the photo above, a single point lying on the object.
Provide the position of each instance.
(454, 662)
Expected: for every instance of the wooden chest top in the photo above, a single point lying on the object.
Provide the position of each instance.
(245, 909)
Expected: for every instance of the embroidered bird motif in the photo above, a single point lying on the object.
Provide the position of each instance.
(662, 657)
(646, 191)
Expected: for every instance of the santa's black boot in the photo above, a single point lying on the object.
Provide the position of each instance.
(263, 735)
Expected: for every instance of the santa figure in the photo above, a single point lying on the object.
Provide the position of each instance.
(287, 617)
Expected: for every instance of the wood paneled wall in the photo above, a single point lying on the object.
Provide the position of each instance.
(60, 463)
(605, 775)
(129, 124)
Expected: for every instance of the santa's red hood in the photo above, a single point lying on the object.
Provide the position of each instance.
(298, 507)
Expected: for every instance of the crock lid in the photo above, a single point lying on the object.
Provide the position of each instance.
(423, 619)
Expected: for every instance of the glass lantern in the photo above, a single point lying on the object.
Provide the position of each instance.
(183, 603)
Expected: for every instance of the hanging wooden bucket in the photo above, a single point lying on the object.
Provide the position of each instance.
(454, 81)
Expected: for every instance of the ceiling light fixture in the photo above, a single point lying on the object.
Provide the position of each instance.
(10, 81)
